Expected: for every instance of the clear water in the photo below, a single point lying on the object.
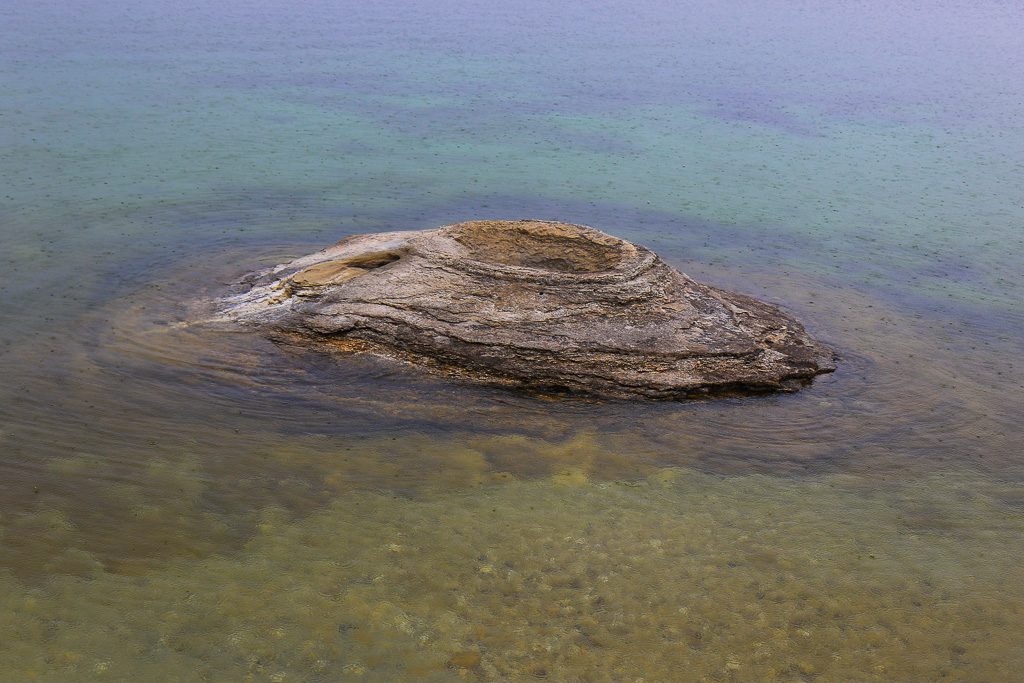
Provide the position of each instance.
(185, 503)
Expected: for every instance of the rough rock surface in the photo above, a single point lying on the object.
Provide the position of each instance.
(534, 304)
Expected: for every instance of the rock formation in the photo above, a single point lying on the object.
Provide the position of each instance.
(540, 305)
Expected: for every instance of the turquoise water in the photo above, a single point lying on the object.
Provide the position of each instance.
(186, 503)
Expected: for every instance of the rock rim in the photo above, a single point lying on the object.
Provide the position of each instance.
(539, 305)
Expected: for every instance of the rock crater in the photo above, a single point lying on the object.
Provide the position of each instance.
(539, 305)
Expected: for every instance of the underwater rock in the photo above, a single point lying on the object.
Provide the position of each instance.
(532, 304)
(467, 659)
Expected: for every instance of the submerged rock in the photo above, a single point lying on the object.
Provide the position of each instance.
(535, 304)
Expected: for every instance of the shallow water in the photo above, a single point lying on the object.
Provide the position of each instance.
(180, 500)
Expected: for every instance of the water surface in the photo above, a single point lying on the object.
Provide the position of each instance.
(185, 501)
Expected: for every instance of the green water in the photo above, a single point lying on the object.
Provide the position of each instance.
(180, 501)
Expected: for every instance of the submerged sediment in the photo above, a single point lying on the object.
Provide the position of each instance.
(533, 304)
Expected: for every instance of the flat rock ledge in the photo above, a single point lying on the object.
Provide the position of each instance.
(538, 305)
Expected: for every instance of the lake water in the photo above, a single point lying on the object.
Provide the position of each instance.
(180, 503)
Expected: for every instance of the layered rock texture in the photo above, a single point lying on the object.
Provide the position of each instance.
(539, 305)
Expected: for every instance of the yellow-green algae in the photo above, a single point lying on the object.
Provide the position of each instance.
(679, 576)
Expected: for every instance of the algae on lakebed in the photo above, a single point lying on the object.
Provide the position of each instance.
(681, 576)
